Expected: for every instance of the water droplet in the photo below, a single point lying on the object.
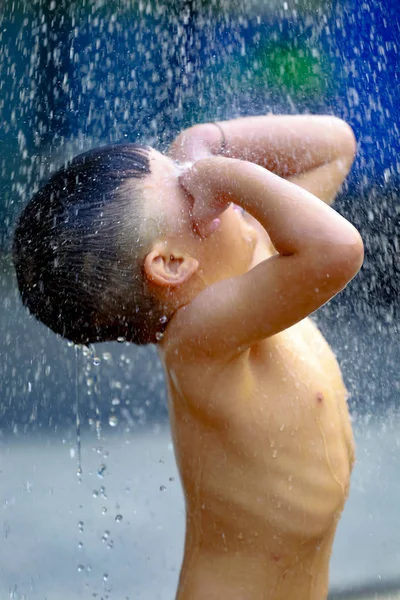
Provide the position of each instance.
(120, 340)
(113, 420)
(103, 510)
(274, 453)
(282, 427)
(172, 478)
(118, 518)
(103, 492)
(159, 336)
(95, 494)
(81, 568)
(163, 319)
(115, 401)
(96, 361)
(105, 577)
(162, 488)
(106, 535)
(100, 472)
(80, 526)
(80, 545)
(107, 356)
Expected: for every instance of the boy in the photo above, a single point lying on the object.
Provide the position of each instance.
(164, 252)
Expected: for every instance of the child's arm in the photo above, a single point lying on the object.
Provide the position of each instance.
(316, 152)
(319, 252)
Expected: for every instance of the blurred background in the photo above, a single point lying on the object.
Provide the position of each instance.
(90, 503)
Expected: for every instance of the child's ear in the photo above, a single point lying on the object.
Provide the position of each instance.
(168, 268)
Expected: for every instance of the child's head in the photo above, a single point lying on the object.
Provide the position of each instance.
(106, 249)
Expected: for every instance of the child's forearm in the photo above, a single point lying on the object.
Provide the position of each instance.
(294, 219)
(315, 152)
(287, 145)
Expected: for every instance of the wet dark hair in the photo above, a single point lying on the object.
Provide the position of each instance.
(79, 247)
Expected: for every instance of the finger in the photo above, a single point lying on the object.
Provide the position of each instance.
(205, 230)
(195, 190)
(188, 177)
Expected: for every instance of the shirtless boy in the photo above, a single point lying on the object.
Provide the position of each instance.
(218, 252)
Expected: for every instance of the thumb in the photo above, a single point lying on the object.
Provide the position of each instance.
(193, 183)
(206, 229)
(196, 188)
(207, 206)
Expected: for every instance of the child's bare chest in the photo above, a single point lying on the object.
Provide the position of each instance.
(298, 388)
(274, 426)
(292, 377)
(298, 361)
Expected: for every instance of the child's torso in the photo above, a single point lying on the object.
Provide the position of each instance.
(263, 443)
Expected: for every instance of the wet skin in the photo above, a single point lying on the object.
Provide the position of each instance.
(265, 450)
(262, 435)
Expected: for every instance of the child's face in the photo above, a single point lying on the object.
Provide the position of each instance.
(226, 253)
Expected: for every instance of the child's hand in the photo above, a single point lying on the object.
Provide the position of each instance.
(194, 143)
(202, 183)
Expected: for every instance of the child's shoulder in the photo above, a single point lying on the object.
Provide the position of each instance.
(187, 358)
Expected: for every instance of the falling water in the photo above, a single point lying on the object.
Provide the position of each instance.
(78, 415)
(75, 74)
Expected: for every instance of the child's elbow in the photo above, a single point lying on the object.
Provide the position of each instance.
(356, 254)
(346, 259)
(347, 141)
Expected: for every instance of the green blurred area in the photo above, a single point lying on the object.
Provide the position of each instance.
(281, 68)
(294, 70)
